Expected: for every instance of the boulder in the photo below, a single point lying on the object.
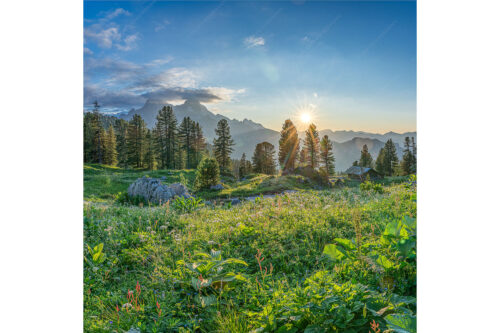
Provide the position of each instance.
(152, 190)
(217, 187)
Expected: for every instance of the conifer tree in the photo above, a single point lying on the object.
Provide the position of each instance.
(288, 146)
(223, 144)
(366, 159)
(200, 145)
(243, 171)
(379, 163)
(121, 126)
(390, 160)
(303, 156)
(166, 138)
(149, 151)
(408, 164)
(110, 153)
(187, 138)
(263, 158)
(87, 137)
(312, 145)
(136, 133)
(98, 136)
(355, 163)
(326, 154)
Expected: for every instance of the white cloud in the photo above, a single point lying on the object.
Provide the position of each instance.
(129, 42)
(253, 41)
(117, 12)
(162, 25)
(159, 62)
(225, 94)
(88, 51)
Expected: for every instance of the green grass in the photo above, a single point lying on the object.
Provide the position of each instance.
(103, 183)
(291, 286)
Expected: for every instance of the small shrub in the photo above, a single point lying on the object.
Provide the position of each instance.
(207, 173)
(320, 178)
(369, 186)
(187, 205)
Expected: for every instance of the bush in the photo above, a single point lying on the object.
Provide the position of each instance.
(320, 178)
(207, 173)
(369, 186)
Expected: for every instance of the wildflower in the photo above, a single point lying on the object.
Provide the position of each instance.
(126, 306)
(163, 227)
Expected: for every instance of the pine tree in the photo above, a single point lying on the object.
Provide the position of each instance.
(379, 163)
(242, 170)
(121, 126)
(88, 137)
(390, 160)
(355, 163)
(288, 146)
(187, 138)
(303, 156)
(149, 151)
(200, 145)
(263, 158)
(312, 144)
(136, 133)
(366, 159)
(326, 155)
(166, 138)
(110, 153)
(223, 146)
(97, 135)
(408, 164)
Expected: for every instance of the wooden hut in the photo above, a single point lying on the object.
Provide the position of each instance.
(361, 173)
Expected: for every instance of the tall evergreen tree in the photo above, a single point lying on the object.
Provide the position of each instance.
(379, 163)
(200, 145)
(243, 168)
(263, 158)
(166, 138)
(366, 159)
(149, 151)
(288, 146)
(223, 146)
(326, 155)
(303, 155)
(136, 134)
(88, 137)
(390, 160)
(312, 145)
(408, 164)
(121, 126)
(98, 136)
(110, 153)
(187, 138)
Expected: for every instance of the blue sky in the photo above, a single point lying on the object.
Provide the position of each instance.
(350, 65)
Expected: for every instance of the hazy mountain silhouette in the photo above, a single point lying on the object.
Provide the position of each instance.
(247, 134)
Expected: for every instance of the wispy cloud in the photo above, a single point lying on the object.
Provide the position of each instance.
(107, 34)
(162, 25)
(88, 51)
(253, 41)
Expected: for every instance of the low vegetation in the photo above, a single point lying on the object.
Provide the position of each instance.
(326, 260)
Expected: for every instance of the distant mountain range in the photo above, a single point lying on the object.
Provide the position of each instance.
(246, 134)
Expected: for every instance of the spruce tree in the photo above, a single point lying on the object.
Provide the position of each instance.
(187, 137)
(303, 156)
(263, 158)
(390, 160)
(366, 159)
(136, 133)
(166, 138)
(243, 171)
(200, 145)
(121, 126)
(379, 163)
(326, 155)
(149, 151)
(88, 137)
(98, 136)
(408, 164)
(110, 153)
(288, 146)
(312, 145)
(223, 144)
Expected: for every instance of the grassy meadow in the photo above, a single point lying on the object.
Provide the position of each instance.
(316, 260)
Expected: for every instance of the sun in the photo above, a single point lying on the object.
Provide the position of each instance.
(305, 118)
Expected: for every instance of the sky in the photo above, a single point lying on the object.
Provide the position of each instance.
(348, 65)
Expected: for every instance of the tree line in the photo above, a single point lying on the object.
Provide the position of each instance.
(169, 145)
(387, 162)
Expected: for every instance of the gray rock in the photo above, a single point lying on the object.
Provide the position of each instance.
(152, 190)
(235, 201)
(217, 187)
